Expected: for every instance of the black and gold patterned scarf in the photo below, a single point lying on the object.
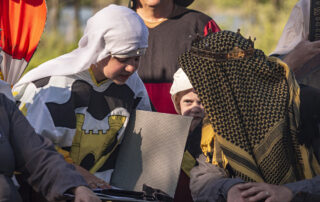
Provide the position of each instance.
(252, 102)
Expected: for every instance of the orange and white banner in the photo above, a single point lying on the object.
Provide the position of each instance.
(22, 23)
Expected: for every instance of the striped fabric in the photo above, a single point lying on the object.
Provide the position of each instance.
(21, 24)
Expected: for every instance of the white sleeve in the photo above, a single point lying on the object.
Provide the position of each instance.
(136, 84)
(33, 105)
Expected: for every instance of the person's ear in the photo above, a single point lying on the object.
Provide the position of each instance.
(102, 62)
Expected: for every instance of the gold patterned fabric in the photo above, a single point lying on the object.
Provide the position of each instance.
(252, 102)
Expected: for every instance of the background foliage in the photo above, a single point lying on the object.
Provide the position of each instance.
(260, 19)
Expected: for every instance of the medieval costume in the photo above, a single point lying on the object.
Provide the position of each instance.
(166, 42)
(34, 156)
(63, 101)
(255, 109)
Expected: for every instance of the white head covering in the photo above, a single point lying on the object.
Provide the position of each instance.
(114, 30)
(296, 29)
(180, 83)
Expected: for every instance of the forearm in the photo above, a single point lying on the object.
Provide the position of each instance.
(309, 186)
(209, 182)
(49, 174)
(216, 190)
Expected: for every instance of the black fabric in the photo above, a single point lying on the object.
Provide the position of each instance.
(7, 154)
(167, 41)
(314, 24)
(306, 197)
(310, 116)
(8, 192)
(99, 104)
(184, 3)
(41, 82)
(193, 142)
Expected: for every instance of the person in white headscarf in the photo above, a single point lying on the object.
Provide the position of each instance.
(187, 103)
(296, 50)
(82, 100)
(185, 99)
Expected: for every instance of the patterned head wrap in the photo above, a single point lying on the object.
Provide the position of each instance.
(252, 102)
(113, 31)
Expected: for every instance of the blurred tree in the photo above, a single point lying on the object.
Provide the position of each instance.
(277, 4)
(53, 14)
(76, 24)
(99, 4)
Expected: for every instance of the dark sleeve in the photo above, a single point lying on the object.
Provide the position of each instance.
(309, 133)
(310, 186)
(37, 159)
(281, 57)
(208, 182)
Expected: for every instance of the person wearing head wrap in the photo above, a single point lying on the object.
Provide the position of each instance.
(82, 100)
(296, 46)
(258, 117)
(172, 27)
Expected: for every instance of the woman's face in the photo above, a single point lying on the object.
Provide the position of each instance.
(190, 105)
(117, 69)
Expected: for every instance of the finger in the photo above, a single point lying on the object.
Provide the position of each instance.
(92, 185)
(316, 43)
(260, 196)
(251, 191)
(77, 199)
(104, 186)
(270, 199)
(246, 185)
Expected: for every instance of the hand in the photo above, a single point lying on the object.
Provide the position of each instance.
(267, 192)
(84, 194)
(234, 194)
(92, 180)
(301, 54)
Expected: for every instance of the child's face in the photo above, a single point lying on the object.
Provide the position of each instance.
(190, 105)
(120, 69)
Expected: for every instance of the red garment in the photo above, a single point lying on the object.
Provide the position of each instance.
(167, 42)
(211, 27)
(183, 193)
(159, 94)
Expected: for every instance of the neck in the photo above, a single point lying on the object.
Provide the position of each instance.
(155, 13)
(98, 76)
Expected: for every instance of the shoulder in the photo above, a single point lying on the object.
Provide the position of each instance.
(48, 88)
(135, 83)
(185, 14)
